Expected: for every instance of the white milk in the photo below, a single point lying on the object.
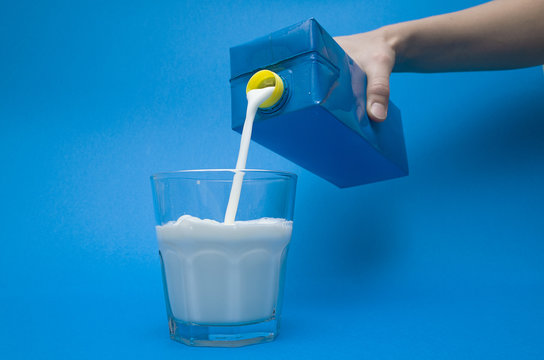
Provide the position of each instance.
(223, 274)
(254, 99)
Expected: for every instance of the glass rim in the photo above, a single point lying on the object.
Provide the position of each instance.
(179, 174)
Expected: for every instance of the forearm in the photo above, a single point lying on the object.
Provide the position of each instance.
(501, 34)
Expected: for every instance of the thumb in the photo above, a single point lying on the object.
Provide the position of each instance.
(377, 93)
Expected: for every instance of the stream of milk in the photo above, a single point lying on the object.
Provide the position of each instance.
(254, 99)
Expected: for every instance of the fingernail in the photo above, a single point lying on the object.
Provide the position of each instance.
(378, 110)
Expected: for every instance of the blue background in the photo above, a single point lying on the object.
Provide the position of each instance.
(446, 263)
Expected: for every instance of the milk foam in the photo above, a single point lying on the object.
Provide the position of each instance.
(218, 273)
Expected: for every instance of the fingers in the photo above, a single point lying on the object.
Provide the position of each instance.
(377, 92)
(376, 58)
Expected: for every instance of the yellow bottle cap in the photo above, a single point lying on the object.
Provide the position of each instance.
(266, 78)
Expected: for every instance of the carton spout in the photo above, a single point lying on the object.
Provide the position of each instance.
(267, 78)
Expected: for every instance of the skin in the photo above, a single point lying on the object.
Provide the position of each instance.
(498, 35)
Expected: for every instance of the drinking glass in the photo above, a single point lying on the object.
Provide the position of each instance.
(223, 283)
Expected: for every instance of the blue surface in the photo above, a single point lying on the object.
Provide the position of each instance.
(446, 263)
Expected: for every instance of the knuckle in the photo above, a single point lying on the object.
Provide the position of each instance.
(379, 87)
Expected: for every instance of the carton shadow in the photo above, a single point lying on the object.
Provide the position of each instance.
(497, 147)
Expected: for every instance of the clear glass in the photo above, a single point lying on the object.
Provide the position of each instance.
(223, 283)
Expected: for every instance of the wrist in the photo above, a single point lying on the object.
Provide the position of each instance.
(396, 37)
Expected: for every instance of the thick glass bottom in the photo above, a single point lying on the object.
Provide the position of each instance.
(223, 335)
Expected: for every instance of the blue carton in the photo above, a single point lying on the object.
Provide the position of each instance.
(320, 122)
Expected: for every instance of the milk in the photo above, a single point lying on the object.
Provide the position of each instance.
(254, 99)
(223, 274)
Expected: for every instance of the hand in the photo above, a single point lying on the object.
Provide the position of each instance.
(496, 35)
(376, 57)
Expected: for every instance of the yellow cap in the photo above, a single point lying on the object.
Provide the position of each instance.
(266, 78)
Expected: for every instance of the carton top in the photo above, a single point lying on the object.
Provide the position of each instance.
(307, 36)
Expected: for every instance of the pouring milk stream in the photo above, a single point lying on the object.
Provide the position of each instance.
(254, 99)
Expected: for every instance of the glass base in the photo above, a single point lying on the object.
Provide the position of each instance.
(223, 335)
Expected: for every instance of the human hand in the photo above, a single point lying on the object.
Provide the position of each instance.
(374, 54)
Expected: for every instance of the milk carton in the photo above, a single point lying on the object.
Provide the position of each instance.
(317, 116)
